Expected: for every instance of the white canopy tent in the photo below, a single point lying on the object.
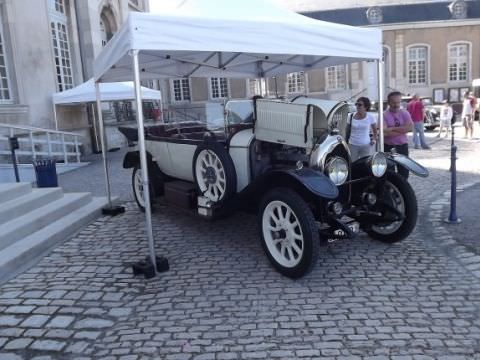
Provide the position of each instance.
(85, 93)
(247, 39)
(225, 38)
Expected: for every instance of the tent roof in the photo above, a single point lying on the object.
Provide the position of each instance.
(85, 93)
(234, 38)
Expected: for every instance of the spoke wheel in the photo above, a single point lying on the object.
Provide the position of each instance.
(210, 174)
(283, 234)
(289, 233)
(397, 193)
(137, 186)
(394, 198)
(214, 172)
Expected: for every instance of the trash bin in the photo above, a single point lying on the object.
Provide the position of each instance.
(46, 173)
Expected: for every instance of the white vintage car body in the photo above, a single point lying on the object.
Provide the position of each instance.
(289, 161)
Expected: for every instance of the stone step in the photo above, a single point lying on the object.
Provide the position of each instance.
(9, 191)
(22, 254)
(14, 208)
(41, 217)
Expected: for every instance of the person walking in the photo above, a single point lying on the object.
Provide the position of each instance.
(446, 114)
(417, 113)
(397, 123)
(467, 115)
(362, 123)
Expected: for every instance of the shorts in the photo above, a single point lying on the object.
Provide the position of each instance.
(467, 121)
(446, 123)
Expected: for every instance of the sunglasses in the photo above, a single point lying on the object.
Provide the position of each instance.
(358, 104)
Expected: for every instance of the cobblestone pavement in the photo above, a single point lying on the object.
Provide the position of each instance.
(222, 300)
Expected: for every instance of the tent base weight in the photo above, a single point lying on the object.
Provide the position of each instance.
(145, 267)
(114, 210)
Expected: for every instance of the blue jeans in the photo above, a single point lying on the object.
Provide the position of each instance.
(418, 133)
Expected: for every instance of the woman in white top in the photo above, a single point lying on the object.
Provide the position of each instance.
(446, 114)
(362, 123)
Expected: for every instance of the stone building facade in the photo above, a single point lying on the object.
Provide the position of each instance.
(48, 46)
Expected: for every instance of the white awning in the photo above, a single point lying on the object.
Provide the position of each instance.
(247, 39)
(85, 93)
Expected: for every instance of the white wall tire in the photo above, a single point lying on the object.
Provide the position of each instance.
(289, 233)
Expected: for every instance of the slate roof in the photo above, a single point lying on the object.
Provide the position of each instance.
(392, 14)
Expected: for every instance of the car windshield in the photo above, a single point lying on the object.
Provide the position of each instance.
(427, 101)
(239, 111)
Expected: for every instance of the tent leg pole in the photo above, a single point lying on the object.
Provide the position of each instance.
(109, 210)
(380, 146)
(95, 130)
(151, 264)
(55, 116)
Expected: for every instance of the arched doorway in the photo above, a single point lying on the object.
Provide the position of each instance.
(108, 24)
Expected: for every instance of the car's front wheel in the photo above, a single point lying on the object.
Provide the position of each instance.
(398, 202)
(289, 233)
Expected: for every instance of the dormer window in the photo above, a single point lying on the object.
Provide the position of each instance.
(374, 15)
(458, 9)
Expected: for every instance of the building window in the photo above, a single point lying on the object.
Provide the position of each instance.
(61, 47)
(458, 55)
(5, 94)
(255, 87)
(336, 77)
(181, 90)
(60, 6)
(296, 82)
(417, 64)
(219, 88)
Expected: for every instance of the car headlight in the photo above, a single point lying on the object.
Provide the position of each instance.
(337, 170)
(378, 163)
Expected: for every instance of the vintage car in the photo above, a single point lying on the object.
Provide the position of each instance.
(288, 162)
(432, 111)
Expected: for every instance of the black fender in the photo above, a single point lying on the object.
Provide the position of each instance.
(361, 167)
(132, 158)
(306, 181)
(407, 163)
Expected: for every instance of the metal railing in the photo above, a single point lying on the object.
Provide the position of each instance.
(38, 142)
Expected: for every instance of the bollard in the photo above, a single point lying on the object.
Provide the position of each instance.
(14, 146)
(452, 217)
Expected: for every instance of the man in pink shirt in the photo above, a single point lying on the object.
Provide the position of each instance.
(417, 112)
(397, 123)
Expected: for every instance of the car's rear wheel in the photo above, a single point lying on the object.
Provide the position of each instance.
(214, 172)
(137, 186)
(289, 233)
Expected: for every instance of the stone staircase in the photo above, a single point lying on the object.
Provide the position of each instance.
(33, 220)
